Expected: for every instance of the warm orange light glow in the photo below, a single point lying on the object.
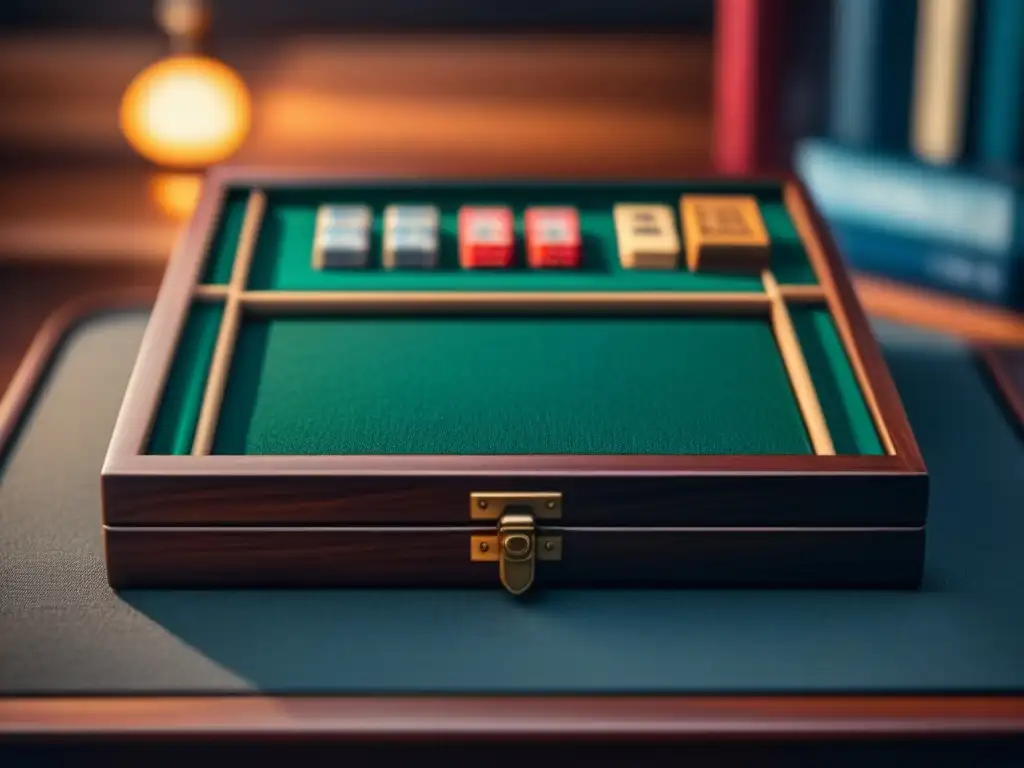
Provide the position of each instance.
(186, 111)
(176, 194)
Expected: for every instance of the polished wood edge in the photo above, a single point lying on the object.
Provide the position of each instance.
(865, 355)
(816, 249)
(125, 456)
(40, 353)
(168, 318)
(405, 530)
(803, 295)
(796, 369)
(231, 321)
(497, 718)
(1009, 388)
(276, 177)
(971, 321)
(532, 465)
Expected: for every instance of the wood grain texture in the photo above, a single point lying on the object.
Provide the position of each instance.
(376, 491)
(211, 292)
(1005, 366)
(522, 302)
(971, 321)
(216, 382)
(796, 368)
(224, 348)
(872, 373)
(140, 490)
(167, 320)
(631, 719)
(439, 557)
(432, 103)
(803, 294)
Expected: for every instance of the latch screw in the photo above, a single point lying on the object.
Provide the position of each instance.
(484, 546)
(549, 545)
(551, 504)
(482, 504)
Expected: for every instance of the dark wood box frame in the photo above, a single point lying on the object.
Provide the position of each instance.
(650, 728)
(296, 518)
(469, 724)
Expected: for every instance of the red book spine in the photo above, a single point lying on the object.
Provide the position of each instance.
(747, 74)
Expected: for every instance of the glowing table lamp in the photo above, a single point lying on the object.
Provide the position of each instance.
(187, 110)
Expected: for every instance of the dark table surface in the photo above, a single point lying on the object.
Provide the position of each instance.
(62, 630)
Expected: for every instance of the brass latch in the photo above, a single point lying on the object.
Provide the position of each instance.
(517, 546)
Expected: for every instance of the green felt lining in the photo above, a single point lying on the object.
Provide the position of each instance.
(508, 385)
(847, 415)
(790, 264)
(217, 270)
(615, 385)
(175, 425)
(283, 257)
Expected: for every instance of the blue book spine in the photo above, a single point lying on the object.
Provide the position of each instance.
(913, 199)
(872, 72)
(960, 272)
(1000, 102)
(806, 82)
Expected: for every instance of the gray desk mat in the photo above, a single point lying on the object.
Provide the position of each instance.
(62, 630)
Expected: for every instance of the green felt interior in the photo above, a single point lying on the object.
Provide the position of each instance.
(175, 423)
(789, 258)
(472, 385)
(842, 402)
(508, 385)
(283, 258)
(217, 270)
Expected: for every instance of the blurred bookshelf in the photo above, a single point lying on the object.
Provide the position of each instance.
(905, 118)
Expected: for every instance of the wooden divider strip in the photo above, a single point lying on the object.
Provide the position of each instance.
(223, 351)
(387, 302)
(798, 213)
(796, 367)
(211, 292)
(803, 294)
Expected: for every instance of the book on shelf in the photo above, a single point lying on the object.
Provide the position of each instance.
(806, 66)
(942, 73)
(995, 280)
(950, 229)
(749, 41)
(998, 106)
(969, 209)
(872, 72)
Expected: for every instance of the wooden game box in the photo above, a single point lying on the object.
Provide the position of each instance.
(290, 425)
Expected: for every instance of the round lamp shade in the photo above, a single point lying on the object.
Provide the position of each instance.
(186, 112)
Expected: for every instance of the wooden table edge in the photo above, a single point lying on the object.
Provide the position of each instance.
(991, 356)
(598, 718)
(594, 719)
(969, 321)
(40, 353)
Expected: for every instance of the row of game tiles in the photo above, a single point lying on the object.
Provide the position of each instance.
(721, 232)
